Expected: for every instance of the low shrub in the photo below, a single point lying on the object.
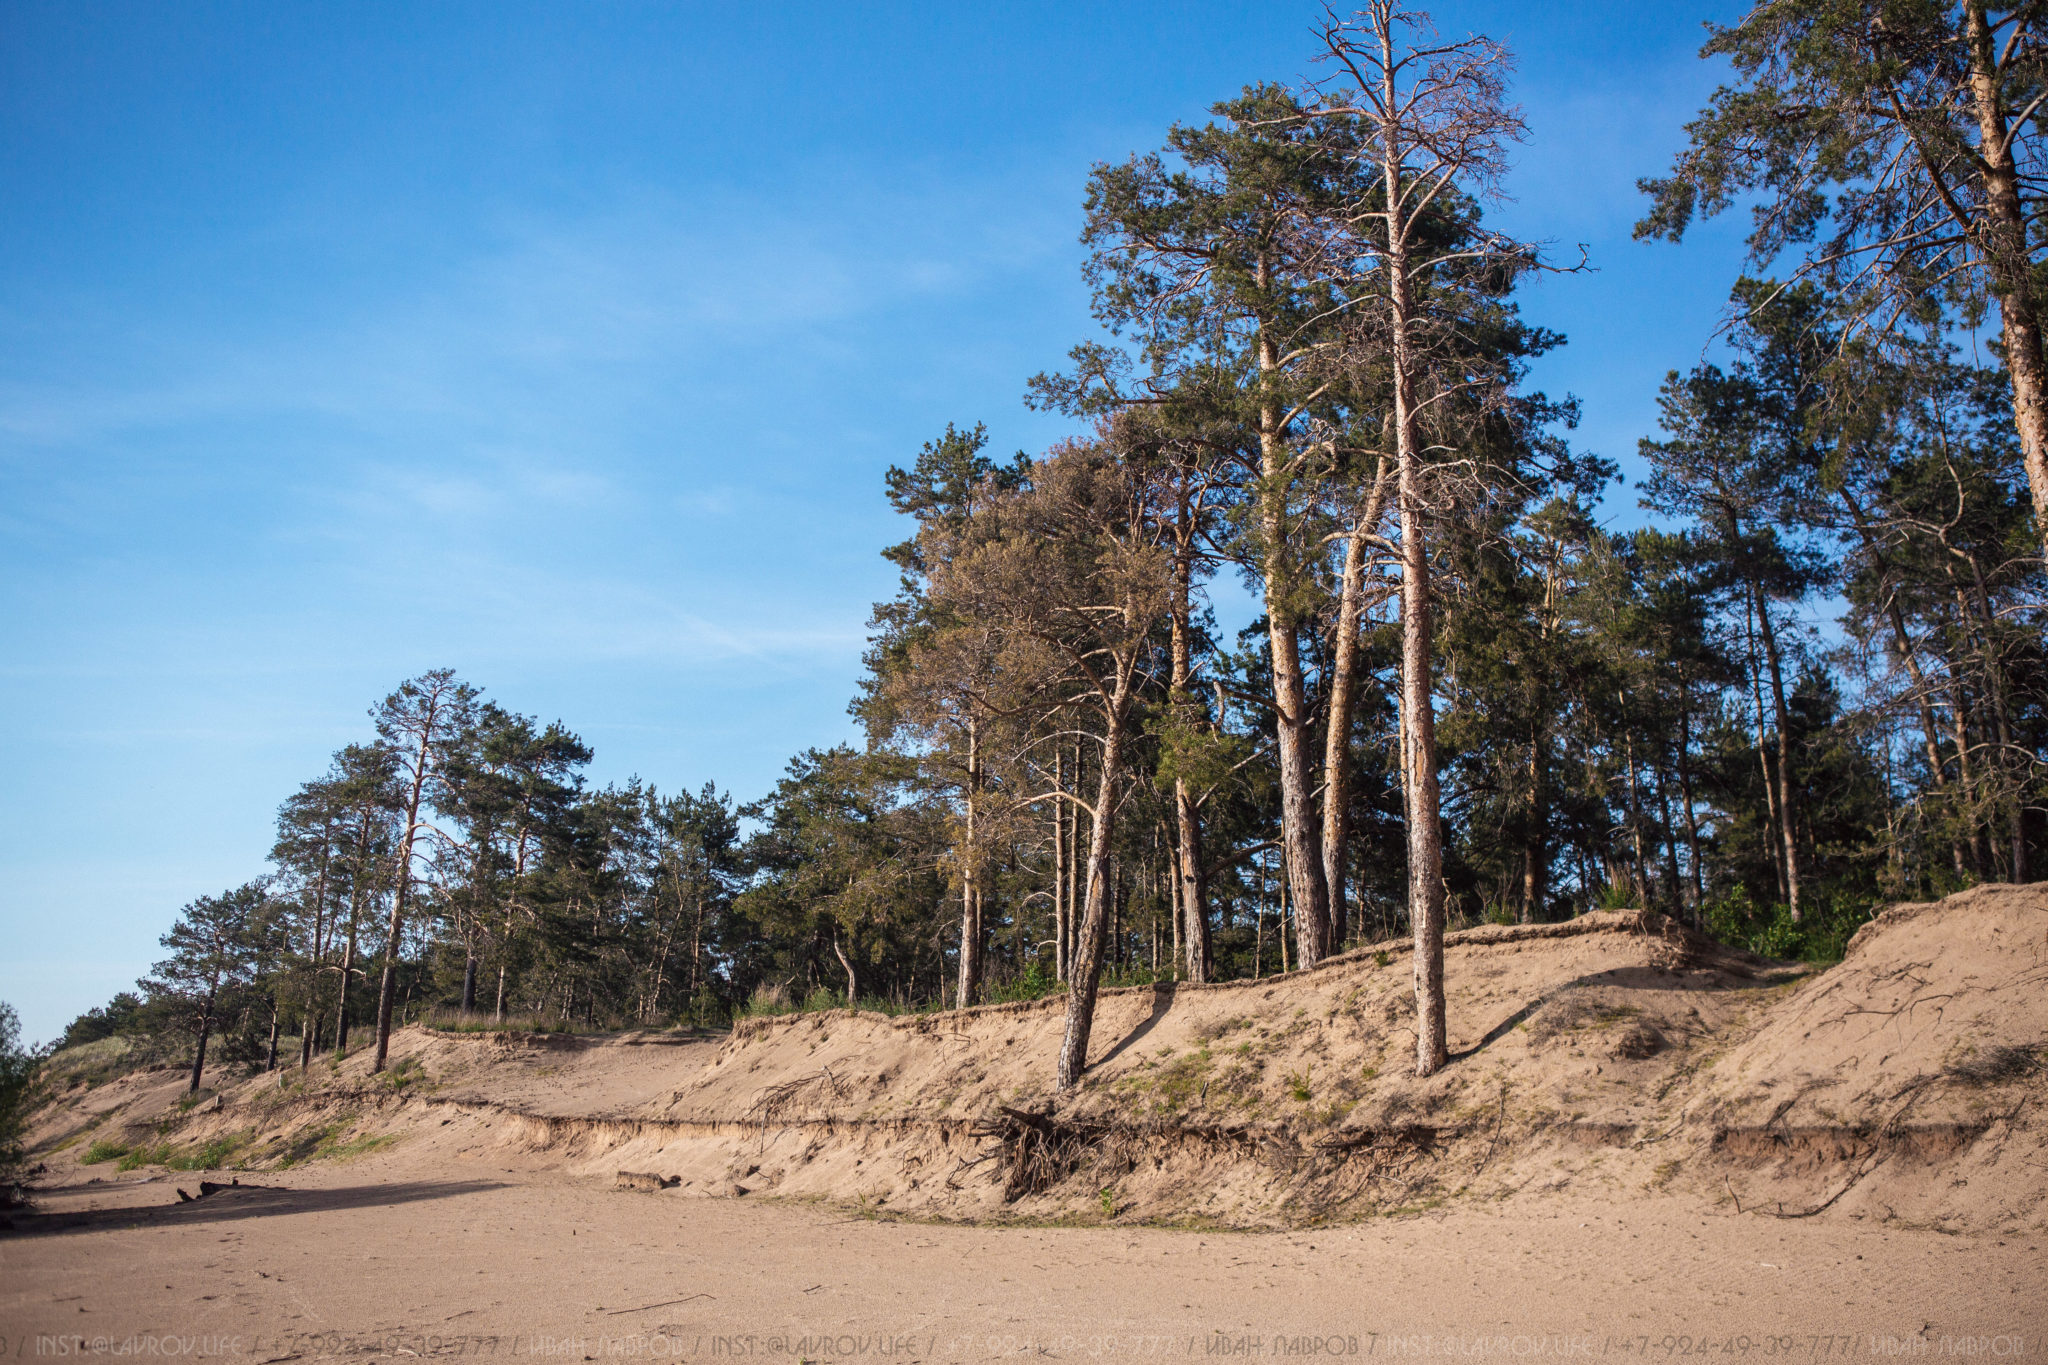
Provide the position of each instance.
(1821, 934)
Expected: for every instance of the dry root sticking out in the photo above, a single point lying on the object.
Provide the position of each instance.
(775, 1104)
(1034, 1152)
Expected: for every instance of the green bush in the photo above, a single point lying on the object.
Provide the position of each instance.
(1822, 935)
(1035, 984)
(20, 1067)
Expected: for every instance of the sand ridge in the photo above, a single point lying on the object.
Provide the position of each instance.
(1618, 1053)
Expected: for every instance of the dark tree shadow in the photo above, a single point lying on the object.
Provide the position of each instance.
(241, 1201)
(1625, 978)
(1162, 1001)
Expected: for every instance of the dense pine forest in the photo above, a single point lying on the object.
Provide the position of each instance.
(1814, 682)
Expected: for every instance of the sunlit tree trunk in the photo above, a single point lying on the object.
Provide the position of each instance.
(1343, 695)
(1291, 719)
(968, 987)
(1191, 899)
(2006, 250)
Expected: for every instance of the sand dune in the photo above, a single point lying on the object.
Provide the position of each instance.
(1641, 1132)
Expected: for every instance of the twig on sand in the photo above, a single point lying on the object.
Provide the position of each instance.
(670, 1303)
(1500, 1119)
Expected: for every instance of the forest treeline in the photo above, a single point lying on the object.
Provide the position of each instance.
(1820, 685)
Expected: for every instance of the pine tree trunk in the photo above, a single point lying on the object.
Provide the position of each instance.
(1086, 977)
(348, 971)
(1418, 715)
(1756, 689)
(2001, 719)
(1533, 840)
(199, 1053)
(1930, 734)
(1785, 815)
(1966, 778)
(1902, 645)
(2005, 244)
(1175, 955)
(1059, 865)
(1197, 952)
(1074, 868)
(387, 983)
(1337, 737)
(388, 988)
(1425, 845)
(1191, 895)
(1639, 870)
(852, 983)
(1259, 926)
(1670, 840)
(1692, 819)
(968, 988)
(1299, 829)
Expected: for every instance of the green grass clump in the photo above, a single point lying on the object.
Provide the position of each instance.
(206, 1156)
(1298, 1084)
(103, 1150)
(362, 1146)
(1175, 1087)
(456, 1021)
(325, 1142)
(406, 1071)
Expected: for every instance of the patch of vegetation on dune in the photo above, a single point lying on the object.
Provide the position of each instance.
(212, 1155)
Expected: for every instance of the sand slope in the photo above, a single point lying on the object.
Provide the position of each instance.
(1905, 1082)
(1610, 1056)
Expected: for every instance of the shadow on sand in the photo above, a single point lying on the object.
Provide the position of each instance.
(1162, 1001)
(240, 1201)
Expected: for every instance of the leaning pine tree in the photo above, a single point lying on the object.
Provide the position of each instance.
(1070, 579)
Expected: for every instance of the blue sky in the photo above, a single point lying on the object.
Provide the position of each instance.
(565, 345)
